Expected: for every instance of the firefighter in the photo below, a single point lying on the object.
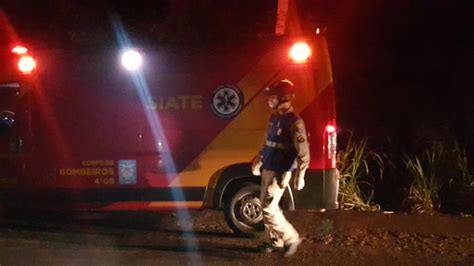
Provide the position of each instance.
(285, 154)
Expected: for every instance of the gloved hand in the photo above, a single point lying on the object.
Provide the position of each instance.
(256, 165)
(285, 179)
(299, 180)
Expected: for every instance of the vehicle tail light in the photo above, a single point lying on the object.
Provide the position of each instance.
(330, 129)
(19, 50)
(26, 64)
(332, 144)
(300, 52)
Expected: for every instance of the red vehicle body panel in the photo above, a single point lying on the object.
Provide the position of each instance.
(95, 136)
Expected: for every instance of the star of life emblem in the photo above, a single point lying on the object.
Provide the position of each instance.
(127, 172)
(227, 101)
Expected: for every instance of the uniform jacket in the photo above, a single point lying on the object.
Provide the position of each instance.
(286, 144)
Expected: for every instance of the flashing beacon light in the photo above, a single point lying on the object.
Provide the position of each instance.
(330, 129)
(19, 50)
(132, 60)
(26, 64)
(300, 52)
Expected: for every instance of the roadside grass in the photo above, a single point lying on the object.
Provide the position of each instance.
(424, 173)
(327, 227)
(464, 179)
(439, 177)
(355, 164)
(458, 186)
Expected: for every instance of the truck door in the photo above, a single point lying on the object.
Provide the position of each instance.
(12, 114)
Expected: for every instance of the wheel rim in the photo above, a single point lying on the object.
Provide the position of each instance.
(250, 210)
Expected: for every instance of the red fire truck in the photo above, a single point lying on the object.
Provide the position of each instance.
(159, 128)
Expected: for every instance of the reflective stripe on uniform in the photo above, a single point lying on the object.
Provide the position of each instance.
(277, 145)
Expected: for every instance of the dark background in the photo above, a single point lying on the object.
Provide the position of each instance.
(402, 71)
(402, 67)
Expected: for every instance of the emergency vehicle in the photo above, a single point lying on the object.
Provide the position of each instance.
(160, 128)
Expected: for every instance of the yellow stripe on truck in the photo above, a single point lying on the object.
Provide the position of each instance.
(251, 123)
(175, 204)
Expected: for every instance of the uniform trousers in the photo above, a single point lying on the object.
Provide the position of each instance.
(279, 231)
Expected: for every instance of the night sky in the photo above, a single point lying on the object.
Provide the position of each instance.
(402, 68)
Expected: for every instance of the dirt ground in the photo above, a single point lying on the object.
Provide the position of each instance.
(331, 238)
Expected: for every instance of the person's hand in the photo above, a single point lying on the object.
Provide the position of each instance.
(285, 179)
(256, 168)
(299, 183)
(299, 180)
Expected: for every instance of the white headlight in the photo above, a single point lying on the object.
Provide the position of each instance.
(131, 60)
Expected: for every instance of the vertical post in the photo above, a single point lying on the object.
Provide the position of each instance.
(282, 17)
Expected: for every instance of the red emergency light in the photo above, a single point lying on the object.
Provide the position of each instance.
(19, 50)
(26, 64)
(330, 129)
(300, 52)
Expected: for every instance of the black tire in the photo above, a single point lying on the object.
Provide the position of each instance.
(243, 212)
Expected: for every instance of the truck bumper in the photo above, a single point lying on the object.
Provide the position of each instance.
(320, 191)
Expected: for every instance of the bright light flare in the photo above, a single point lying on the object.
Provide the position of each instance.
(132, 60)
(26, 64)
(19, 50)
(300, 52)
(330, 129)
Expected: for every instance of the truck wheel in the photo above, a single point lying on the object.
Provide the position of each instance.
(243, 212)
